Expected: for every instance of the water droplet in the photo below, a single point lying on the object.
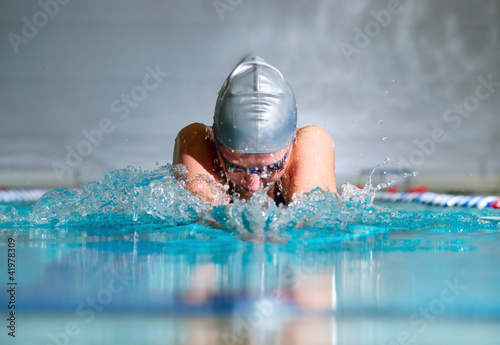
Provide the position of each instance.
(384, 138)
(380, 122)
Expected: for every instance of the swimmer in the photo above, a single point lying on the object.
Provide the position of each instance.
(254, 141)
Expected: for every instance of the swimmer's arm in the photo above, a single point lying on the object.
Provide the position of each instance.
(313, 162)
(194, 148)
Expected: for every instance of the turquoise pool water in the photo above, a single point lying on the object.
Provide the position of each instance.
(134, 258)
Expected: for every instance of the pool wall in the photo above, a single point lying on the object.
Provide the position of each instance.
(404, 89)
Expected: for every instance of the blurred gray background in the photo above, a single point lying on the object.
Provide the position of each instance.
(91, 86)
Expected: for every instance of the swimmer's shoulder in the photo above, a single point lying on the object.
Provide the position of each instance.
(195, 140)
(195, 130)
(313, 133)
(311, 140)
(312, 162)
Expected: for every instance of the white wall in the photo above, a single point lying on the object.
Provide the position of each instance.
(375, 103)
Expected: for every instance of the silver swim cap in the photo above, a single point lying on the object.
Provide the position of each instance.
(256, 110)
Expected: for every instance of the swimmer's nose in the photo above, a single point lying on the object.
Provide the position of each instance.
(252, 182)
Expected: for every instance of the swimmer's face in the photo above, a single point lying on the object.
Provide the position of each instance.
(249, 172)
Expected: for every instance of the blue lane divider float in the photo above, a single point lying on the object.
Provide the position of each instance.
(444, 200)
(21, 195)
(428, 198)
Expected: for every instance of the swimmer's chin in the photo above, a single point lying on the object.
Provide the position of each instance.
(247, 194)
(244, 193)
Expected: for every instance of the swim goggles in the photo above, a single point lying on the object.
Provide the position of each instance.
(232, 168)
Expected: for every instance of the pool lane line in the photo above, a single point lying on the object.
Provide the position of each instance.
(21, 195)
(428, 198)
(444, 200)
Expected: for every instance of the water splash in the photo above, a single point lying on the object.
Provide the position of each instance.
(257, 220)
(8, 214)
(135, 197)
(366, 195)
(125, 196)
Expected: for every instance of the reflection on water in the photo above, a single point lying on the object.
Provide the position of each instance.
(237, 292)
(338, 266)
(198, 268)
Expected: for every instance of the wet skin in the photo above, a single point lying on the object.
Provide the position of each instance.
(245, 181)
(310, 164)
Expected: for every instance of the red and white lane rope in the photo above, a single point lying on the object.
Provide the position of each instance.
(435, 199)
(19, 195)
(428, 198)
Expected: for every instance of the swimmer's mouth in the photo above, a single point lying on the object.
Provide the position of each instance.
(264, 188)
